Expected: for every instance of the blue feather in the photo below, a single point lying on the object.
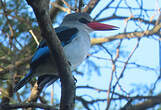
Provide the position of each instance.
(39, 53)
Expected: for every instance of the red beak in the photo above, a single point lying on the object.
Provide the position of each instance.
(100, 26)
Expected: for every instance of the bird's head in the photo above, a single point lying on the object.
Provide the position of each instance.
(83, 19)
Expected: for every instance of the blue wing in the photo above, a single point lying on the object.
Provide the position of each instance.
(65, 35)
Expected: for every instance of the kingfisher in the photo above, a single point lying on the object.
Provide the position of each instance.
(73, 33)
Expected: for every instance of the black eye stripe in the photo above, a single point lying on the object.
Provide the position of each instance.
(83, 20)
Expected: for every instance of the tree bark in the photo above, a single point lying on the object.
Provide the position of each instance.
(41, 10)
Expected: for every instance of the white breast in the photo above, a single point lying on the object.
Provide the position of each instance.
(77, 50)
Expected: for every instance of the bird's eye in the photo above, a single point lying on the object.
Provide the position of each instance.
(83, 20)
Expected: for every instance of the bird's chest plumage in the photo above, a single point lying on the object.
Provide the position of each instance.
(77, 50)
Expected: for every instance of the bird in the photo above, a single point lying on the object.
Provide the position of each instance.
(73, 33)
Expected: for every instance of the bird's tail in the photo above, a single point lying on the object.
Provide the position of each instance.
(46, 80)
(21, 83)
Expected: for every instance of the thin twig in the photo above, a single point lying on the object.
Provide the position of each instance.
(123, 70)
(61, 7)
(112, 73)
(66, 3)
(33, 35)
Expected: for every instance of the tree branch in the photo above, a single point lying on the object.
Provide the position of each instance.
(26, 105)
(91, 5)
(41, 10)
(146, 104)
(54, 10)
